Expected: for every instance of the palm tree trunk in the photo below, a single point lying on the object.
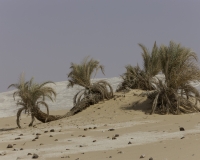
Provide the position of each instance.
(43, 117)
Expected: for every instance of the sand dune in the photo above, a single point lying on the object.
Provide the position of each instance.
(115, 129)
(64, 99)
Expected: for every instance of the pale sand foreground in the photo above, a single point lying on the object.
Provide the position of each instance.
(156, 136)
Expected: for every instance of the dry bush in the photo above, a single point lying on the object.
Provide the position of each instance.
(134, 78)
(137, 78)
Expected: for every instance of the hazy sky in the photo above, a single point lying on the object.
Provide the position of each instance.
(42, 37)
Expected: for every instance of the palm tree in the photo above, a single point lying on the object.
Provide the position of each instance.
(31, 96)
(180, 67)
(151, 61)
(137, 78)
(134, 77)
(92, 93)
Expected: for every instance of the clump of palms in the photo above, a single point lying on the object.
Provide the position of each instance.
(31, 96)
(133, 78)
(137, 78)
(175, 94)
(91, 93)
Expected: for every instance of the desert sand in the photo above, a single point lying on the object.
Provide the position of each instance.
(119, 129)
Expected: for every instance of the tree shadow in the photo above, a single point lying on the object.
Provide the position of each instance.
(7, 129)
(143, 105)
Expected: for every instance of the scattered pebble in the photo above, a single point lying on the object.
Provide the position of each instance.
(29, 154)
(17, 138)
(65, 157)
(52, 130)
(111, 129)
(142, 156)
(116, 135)
(182, 129)
(129, 142)
(151, 158)
(35, 156)
(9, 146)
(3, 153)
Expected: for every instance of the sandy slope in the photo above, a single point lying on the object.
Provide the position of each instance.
(64, 98)
(153, 135)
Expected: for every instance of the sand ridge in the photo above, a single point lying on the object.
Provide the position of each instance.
(119, 129)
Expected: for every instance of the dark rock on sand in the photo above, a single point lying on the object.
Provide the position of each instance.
(10, 146)
(111, 129)
(35, 156)
(182, 129)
